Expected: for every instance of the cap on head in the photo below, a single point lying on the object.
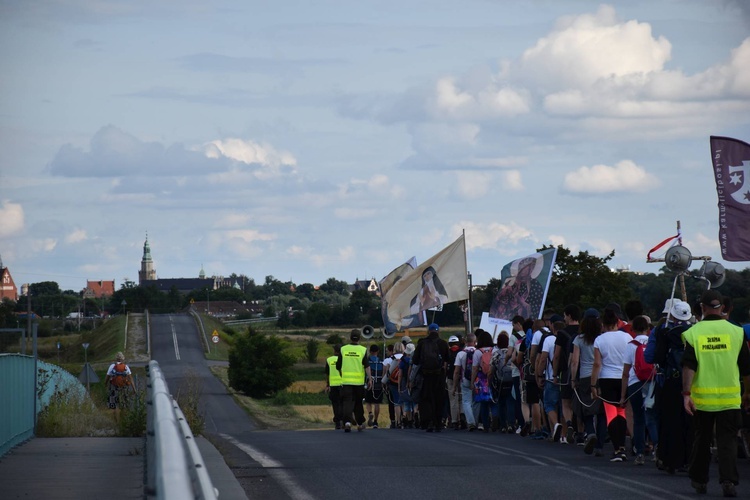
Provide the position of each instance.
(410, 349)
(433, 327)
(555, 318)
(615, 308)
(406, 340)
(713, 300)
(452, 339)
(355, 334)
(591, 313)
(681, 311)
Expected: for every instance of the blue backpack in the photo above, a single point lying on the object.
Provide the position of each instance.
(376, 370)
(469, 363)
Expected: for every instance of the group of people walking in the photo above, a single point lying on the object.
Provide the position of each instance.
(674, 386)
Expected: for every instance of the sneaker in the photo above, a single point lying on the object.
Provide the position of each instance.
(701, 488)
(360, 427)
(375, 425)
(472, 427)
(727, 487)
(525, 429)
(557, 432)
(338, 425)
(480, 427)
(348, 427)
(640, 459)
(570, 436)
(369, 420)
(580, 439)
(537, 436)
(563, 440)
(589, 444)
(618, 456)
(393, 424)
(519, 429)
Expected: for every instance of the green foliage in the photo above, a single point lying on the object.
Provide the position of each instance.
(311, 350)
(334, 339)
(188, 398)
(132, 419)
(259, 366)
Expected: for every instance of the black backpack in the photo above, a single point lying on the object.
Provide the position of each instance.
(430, 360)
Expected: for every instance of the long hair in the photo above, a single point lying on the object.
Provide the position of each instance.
(484, 339)
(610, 319)
(438, 284)
(590, 329)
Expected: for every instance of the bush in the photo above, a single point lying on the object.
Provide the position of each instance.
(259, 366)
(334, 339)
(311, 350)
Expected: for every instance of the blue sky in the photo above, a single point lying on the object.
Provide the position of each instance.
(309, 140)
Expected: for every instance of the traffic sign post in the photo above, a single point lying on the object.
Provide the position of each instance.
(215, 339)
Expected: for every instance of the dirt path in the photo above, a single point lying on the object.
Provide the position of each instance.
(136, 350)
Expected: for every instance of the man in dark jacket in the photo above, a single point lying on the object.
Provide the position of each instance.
(431, 356)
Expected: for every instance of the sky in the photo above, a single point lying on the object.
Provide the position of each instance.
(310, 140)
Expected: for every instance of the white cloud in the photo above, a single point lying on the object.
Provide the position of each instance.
(43, 244)
(585, 49)
(76, 236)
(11, 219)
(473, 185)
(493, 236)
(556, 239)
(275, 163)
(512, 180)
(625, 176)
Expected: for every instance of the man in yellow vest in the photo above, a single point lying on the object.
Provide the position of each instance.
(333, 385)
(354, 367)
(716, 355)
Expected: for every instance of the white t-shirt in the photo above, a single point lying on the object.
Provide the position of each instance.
(461, 361)
(111, 369)
(612, 347)
(549, 348)
(630, 358)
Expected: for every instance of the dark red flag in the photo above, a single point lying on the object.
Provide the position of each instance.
(731, 161)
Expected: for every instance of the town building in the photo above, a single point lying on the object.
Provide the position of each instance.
(8, 289)
(99, 289)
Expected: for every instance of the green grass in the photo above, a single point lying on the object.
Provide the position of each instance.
(300, 398)
(307, 371)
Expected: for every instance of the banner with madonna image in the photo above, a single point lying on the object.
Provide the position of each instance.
(414, 320)
(524, 286)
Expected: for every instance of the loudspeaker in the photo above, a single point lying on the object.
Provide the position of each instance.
(678, 259)
(367, 332)
(714, 273)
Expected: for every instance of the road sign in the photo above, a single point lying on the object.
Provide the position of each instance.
(215, 337)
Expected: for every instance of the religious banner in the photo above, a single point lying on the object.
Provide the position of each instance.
(524, 286)
(731, 164)
(385, 285)
(441, 279)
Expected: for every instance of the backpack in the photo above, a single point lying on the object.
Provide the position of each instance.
(643, 370)
(469, 362)
(376, 370)
(120, 375)
(431, 362)
(394, 370)
(485, 361)
(503, 370)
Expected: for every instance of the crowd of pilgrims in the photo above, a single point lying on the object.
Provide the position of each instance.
(535, 381)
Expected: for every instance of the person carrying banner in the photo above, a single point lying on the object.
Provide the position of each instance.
(715, 358)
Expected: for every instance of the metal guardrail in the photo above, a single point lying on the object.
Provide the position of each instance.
(174, 465)
(250, 321)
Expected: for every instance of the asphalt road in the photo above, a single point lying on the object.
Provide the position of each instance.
(323, 464)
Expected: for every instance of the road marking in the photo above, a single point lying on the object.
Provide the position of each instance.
(497, 450)
(174, 339)
(617, 481)
(275, 469)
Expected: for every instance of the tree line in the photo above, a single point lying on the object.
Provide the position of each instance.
(581, 278)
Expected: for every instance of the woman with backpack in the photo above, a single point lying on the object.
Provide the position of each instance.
(480, 381)
(119, 383)
(391, 374)
(633, 382)
(501, 375)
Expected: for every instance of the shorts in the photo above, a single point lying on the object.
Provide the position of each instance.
(566, 391)
(374, 396)
(551, 396)
(532, 393)
(393, 391)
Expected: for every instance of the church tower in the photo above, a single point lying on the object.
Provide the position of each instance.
(147, 272)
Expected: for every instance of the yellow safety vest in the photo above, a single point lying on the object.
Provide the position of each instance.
(334, 377)
(352, 369)
(717, 344)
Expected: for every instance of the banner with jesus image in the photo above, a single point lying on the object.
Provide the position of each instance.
(524, 285)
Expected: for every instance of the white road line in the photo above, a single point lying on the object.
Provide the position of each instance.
(275, 469)
(174, 339)
(637, 488)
